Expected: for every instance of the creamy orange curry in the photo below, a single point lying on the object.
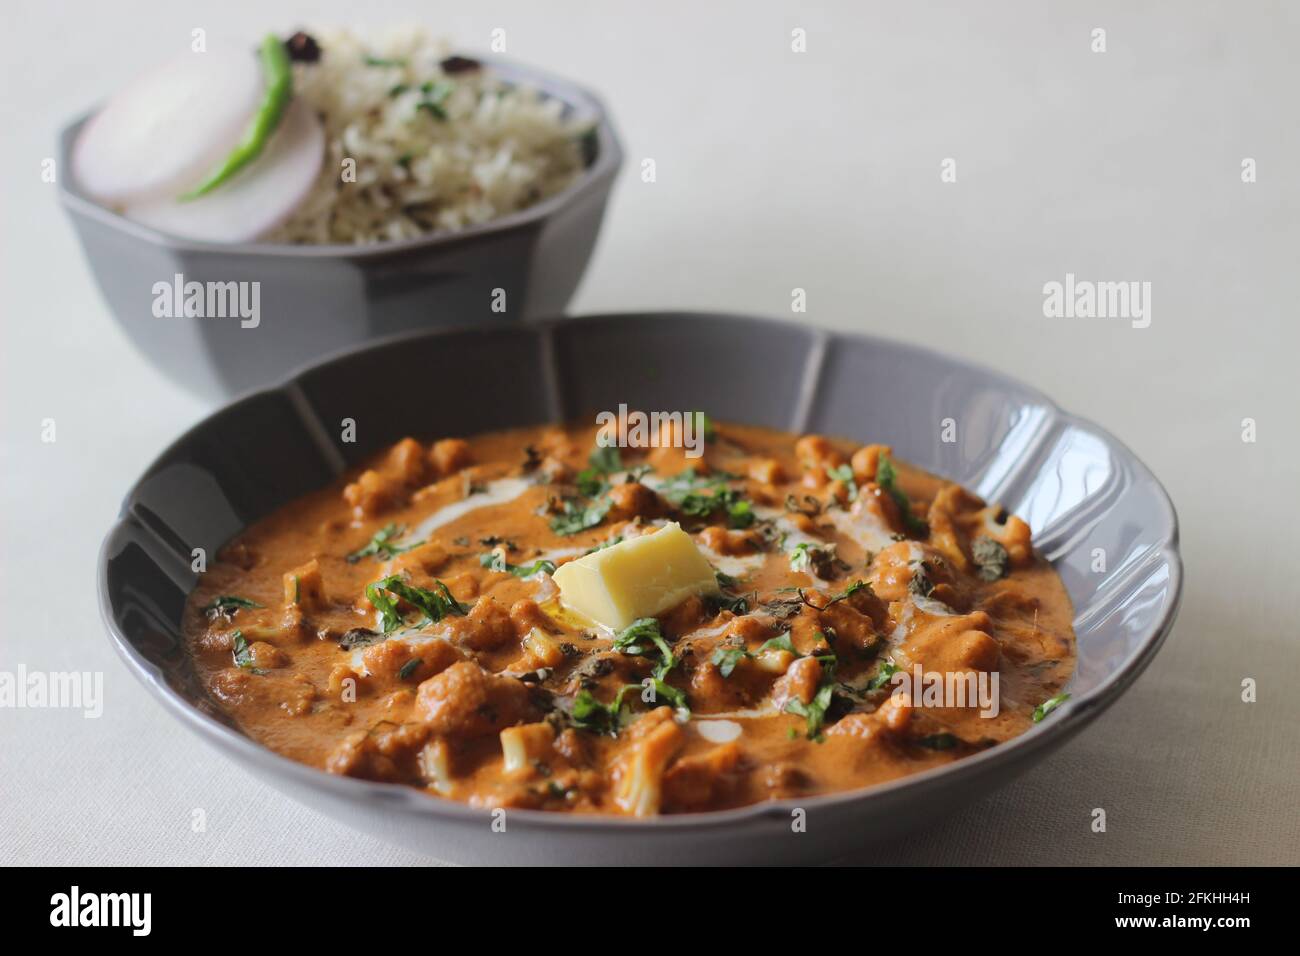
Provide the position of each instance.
(406, 625)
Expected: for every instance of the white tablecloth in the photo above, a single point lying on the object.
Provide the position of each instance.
(775, 170)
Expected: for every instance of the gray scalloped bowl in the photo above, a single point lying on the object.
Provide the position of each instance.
(1077, 486)
(318, 299)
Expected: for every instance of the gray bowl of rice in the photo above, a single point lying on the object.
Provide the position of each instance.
(451, 191)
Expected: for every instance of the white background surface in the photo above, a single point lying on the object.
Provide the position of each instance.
(775, 170)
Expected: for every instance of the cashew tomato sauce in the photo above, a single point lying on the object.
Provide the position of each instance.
(403, 626)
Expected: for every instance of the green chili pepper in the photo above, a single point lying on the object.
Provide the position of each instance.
(279, 90)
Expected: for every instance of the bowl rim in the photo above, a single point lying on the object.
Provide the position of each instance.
(1067, 720)
(608, 160)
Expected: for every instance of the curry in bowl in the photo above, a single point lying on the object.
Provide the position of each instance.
(539, 618)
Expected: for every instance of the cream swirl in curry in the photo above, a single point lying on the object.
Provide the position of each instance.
(730, 628)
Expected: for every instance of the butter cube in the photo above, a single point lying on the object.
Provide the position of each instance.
(640, 577)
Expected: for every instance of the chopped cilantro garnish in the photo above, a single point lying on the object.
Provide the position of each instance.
(844, 473)
(244, 654)
(726, 657)
(496, 561)
(699, 497)
(883, 675)
(609, 543)
(382, 544)
(814, 712)
(669, 693)
(435, 95)
(592, 483)
(781, 642)
(639, 637)
(409, 668)
(577, 517)
(737, 604)
(588, 713)
(740, 513)
(436, 604)
(799, 557)
(1049, 705)
(887, 479)
(852, 589)
(727, 601)
(938, 741)
(606, 459)
(603, 461)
